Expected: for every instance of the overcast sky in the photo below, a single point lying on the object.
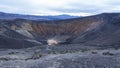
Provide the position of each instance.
(57, 7)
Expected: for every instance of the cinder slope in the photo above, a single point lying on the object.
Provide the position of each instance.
(98, 30)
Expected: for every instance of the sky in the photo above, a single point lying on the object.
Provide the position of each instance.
(58, 7)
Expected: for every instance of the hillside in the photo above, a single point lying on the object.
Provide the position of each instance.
(98, 30)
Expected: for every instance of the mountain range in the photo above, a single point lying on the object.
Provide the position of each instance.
(9, 16)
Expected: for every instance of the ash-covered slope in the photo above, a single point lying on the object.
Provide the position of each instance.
(98, 30)
(108, 34)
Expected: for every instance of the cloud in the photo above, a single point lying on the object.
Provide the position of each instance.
(56, 7)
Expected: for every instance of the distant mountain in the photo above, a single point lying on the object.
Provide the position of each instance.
(33, 17)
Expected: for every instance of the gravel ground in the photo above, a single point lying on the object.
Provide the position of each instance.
(39, 57)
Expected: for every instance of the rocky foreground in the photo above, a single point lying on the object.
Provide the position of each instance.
(53, 57)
